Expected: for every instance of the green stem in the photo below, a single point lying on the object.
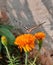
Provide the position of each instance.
(35, 59)
(7, 52)
(26, 56)
(8, 55)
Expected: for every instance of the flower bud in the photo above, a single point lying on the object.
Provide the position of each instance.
(4, 40)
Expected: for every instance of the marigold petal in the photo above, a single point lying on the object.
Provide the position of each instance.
(40, 35)
(25, 41)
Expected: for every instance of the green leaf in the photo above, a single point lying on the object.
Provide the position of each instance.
(6, 26)
(10, 37)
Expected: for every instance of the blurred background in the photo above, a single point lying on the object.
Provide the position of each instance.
(29, 13)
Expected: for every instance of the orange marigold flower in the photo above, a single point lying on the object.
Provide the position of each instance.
(40, 35)
(25, 42)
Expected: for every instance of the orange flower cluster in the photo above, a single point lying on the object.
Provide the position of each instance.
(40, 35)
(25, 42)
